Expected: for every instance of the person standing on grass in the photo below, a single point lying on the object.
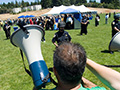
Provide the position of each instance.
(106, 18)
(7, 28)
(115, 24)
(61, 35)
(69, 22)
(84, 24)
(97, 19)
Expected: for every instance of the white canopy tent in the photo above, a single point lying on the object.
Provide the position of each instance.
(56, 10)
(76, 10)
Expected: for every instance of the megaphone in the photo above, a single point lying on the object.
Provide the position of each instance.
(114, 44)
(30, 44)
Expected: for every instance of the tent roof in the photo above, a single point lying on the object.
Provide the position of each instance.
(56, 10)
(69, 10)
(59, 9)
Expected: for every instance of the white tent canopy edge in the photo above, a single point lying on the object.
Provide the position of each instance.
(57, 9)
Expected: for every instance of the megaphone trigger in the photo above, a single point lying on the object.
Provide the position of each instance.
(46, 78)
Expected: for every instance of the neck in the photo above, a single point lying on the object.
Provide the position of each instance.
(68, 87)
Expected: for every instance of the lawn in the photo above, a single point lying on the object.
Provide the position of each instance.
(13, 76)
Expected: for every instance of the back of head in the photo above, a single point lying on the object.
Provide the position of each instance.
(70, 61)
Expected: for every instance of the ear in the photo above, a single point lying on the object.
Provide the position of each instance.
(56, 74)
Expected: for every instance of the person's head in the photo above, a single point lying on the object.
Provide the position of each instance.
(61, 26)
(69, 63)
(116, 16)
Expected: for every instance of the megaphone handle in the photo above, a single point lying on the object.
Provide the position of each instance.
(52, 80)
(28, 72)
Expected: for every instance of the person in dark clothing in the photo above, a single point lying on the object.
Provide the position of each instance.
(41, 22)
(97, 19)
(21, 24)
(51, 23)
(7, 28)
(115, 24)
(109, 15)
(84, 24)
(47, 23)
(61, 35)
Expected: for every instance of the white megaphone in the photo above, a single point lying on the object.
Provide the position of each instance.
(30, 44)
(115, 42)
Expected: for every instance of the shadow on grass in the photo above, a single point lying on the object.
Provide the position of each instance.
(105, 51)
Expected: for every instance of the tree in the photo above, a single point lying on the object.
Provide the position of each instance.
(12, 5)
(38, 2)
(23, 4)
(81, 1)
(16, 3)
(32, 3)
(66, 2)
(57, 2)
(26, 3)
(72, 2)
(106, 1)
(116, 3)
(46, 3)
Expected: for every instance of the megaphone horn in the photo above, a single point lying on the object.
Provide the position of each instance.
(115, 42)
(30, 44)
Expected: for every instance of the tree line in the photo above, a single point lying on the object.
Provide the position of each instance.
(7, 8)
(112, 4)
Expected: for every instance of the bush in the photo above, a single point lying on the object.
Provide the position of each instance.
(102, 5)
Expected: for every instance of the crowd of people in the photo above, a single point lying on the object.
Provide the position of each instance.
(50, 22)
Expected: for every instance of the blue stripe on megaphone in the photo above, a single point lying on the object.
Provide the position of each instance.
(39, 71)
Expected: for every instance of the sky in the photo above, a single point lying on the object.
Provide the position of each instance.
(6, 1)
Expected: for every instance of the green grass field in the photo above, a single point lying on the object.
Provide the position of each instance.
(13, 76)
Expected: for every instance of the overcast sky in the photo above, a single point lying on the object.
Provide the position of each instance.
(6, 1)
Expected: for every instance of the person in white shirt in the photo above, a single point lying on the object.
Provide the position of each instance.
(106, 18)
(69, 22)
